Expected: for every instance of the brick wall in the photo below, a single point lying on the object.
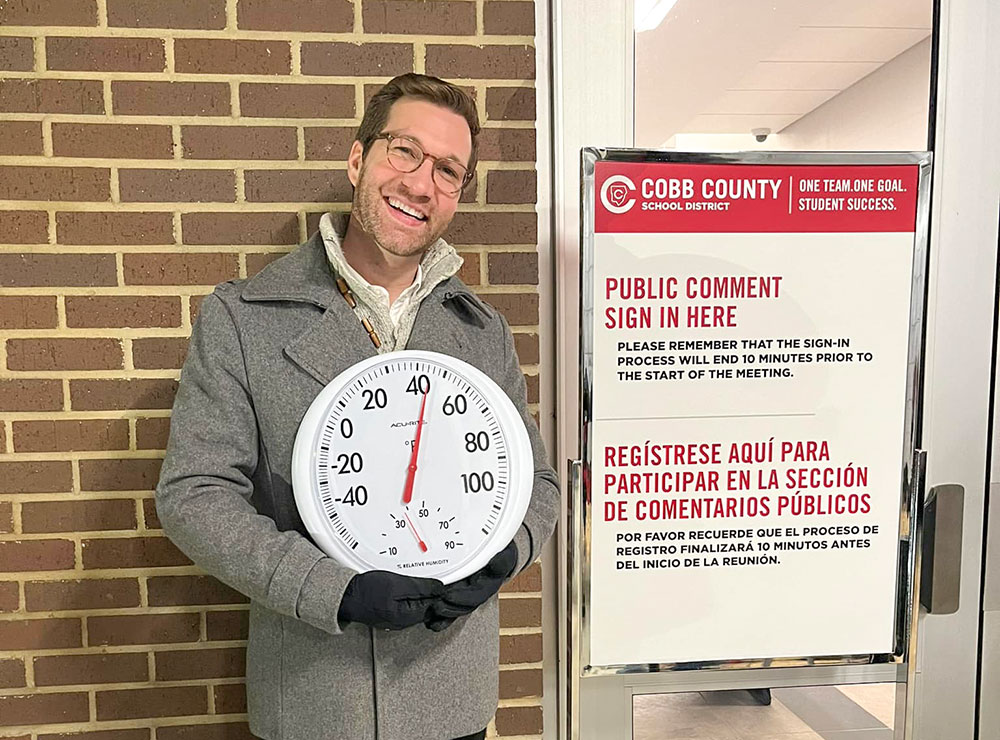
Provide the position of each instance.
(148, 150)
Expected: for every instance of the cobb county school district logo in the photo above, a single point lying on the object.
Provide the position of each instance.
(615, 194)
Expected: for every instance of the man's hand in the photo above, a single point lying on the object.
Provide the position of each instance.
(465, 596)
(387, 600)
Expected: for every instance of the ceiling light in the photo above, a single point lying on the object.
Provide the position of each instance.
(650, 13)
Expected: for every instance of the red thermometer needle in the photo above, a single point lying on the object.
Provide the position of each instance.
(412, 470)
(423, 545)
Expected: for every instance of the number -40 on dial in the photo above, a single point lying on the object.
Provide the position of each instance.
(413, 462)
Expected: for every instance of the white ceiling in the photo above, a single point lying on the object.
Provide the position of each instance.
(727, 66)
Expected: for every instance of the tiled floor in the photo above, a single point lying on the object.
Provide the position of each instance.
(820, 713)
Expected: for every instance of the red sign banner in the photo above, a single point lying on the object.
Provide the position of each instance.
(657, 197)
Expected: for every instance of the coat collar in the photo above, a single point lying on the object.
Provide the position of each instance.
(305, 276)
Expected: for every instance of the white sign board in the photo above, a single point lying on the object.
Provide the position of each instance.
(746, 433)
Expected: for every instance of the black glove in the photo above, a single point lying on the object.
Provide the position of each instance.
(465, 596)
(387, 600)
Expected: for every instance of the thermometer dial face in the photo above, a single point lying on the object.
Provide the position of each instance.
(413, 462)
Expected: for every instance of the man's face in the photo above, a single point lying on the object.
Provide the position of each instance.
(382, 195)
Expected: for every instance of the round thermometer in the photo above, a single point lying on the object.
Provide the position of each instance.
(413, 462)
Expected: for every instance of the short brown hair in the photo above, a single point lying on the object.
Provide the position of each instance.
(422, 87)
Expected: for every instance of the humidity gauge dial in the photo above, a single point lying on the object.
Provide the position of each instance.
(413, 462)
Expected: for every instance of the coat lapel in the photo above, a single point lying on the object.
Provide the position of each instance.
(334, 341)
(331, 344)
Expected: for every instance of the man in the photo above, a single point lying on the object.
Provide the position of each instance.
(333, 654)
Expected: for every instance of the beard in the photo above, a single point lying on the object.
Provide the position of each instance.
(369, 209)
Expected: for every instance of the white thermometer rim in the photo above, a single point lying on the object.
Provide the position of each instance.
(306, 447)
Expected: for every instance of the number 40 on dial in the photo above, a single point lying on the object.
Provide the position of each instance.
(414, 462)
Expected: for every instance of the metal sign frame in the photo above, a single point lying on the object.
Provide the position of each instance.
(801, 671)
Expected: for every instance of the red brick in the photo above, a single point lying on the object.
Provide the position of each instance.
(151, 434)
(149, 517)
(194, 305)
(142, 629)
(266, 100)
(469, 273)
(11, 673)
(105, 227)
(526, 612)
(520, 309)
(492, 228)
(230, 698)
(426, 18)
(507, 145)
(37, 476)
(494, 62)
(35, 555)
(298, 186)
(180, 269)
(64, 354)
(17, 54)
(360, 60)
(27, 312)
(520, 649)
(234, 731)
(159, 353)
(180, 590)
(328, 143)
(77, 516)
(313, 16)
(511, 186)
(62, 670)
(20, 137)
(48, 13)
(227, 625)
(159, 702)
(122, 311)
(51, 96)
(24, 227)
(522, 683)
(44, 709)
(528, 580)
(519, 721)
(55, 183)
(526, 346)
(183, 665)
(131, 552)
(105, 54)
(228, 56)
(6, 509)
(141, 98)
(10, 600)
(97, 593)
(239, 142)
(109, 395)
(257, 262)
(197, 14)
(119, 475)
(70, 435)
(138, 734)
(112, 140)
(510, 103)
(240, 228)
(512, 268)
(30, 395)
(172, 186)
(40, 634)
(509, 18)
(48, 270)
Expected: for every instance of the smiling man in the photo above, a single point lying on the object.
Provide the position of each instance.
(333, 653)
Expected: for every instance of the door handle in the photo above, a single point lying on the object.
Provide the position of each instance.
(941, 550)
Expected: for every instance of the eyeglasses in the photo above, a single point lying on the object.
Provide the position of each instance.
(406, 155)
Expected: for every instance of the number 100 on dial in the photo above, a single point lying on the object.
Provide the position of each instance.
(414, 462)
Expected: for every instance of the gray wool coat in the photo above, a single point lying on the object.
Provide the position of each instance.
(260, 352)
